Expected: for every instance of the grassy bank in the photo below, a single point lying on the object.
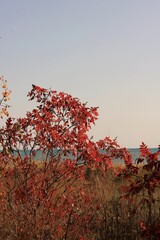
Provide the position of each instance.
(122, 218)
(88, 208)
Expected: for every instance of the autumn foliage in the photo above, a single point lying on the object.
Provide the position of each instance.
(5, 97)
(55, 198)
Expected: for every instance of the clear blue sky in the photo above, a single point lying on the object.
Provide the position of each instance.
(103, 52)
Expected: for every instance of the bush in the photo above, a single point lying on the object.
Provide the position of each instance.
(75, 191)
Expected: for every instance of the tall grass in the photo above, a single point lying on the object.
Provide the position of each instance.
(115, 218)
(120, 218)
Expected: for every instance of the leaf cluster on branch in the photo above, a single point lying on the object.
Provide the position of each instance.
(4, 98)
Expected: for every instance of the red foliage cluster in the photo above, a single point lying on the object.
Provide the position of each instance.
(49, 197)
(144, 181)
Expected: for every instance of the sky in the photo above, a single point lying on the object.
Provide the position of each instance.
(105, 52)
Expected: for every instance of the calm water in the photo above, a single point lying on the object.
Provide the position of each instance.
(134, 152)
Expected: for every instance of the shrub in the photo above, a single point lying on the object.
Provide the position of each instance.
(74, 191)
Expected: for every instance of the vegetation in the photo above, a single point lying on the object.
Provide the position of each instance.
(5, 97)
(75, 192)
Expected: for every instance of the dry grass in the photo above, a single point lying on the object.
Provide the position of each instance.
(120, 218)
(115, 219)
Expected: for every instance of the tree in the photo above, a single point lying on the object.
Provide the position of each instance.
(5, 97)
(49, 197)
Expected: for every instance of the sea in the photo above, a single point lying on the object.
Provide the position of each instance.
(135, 152)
